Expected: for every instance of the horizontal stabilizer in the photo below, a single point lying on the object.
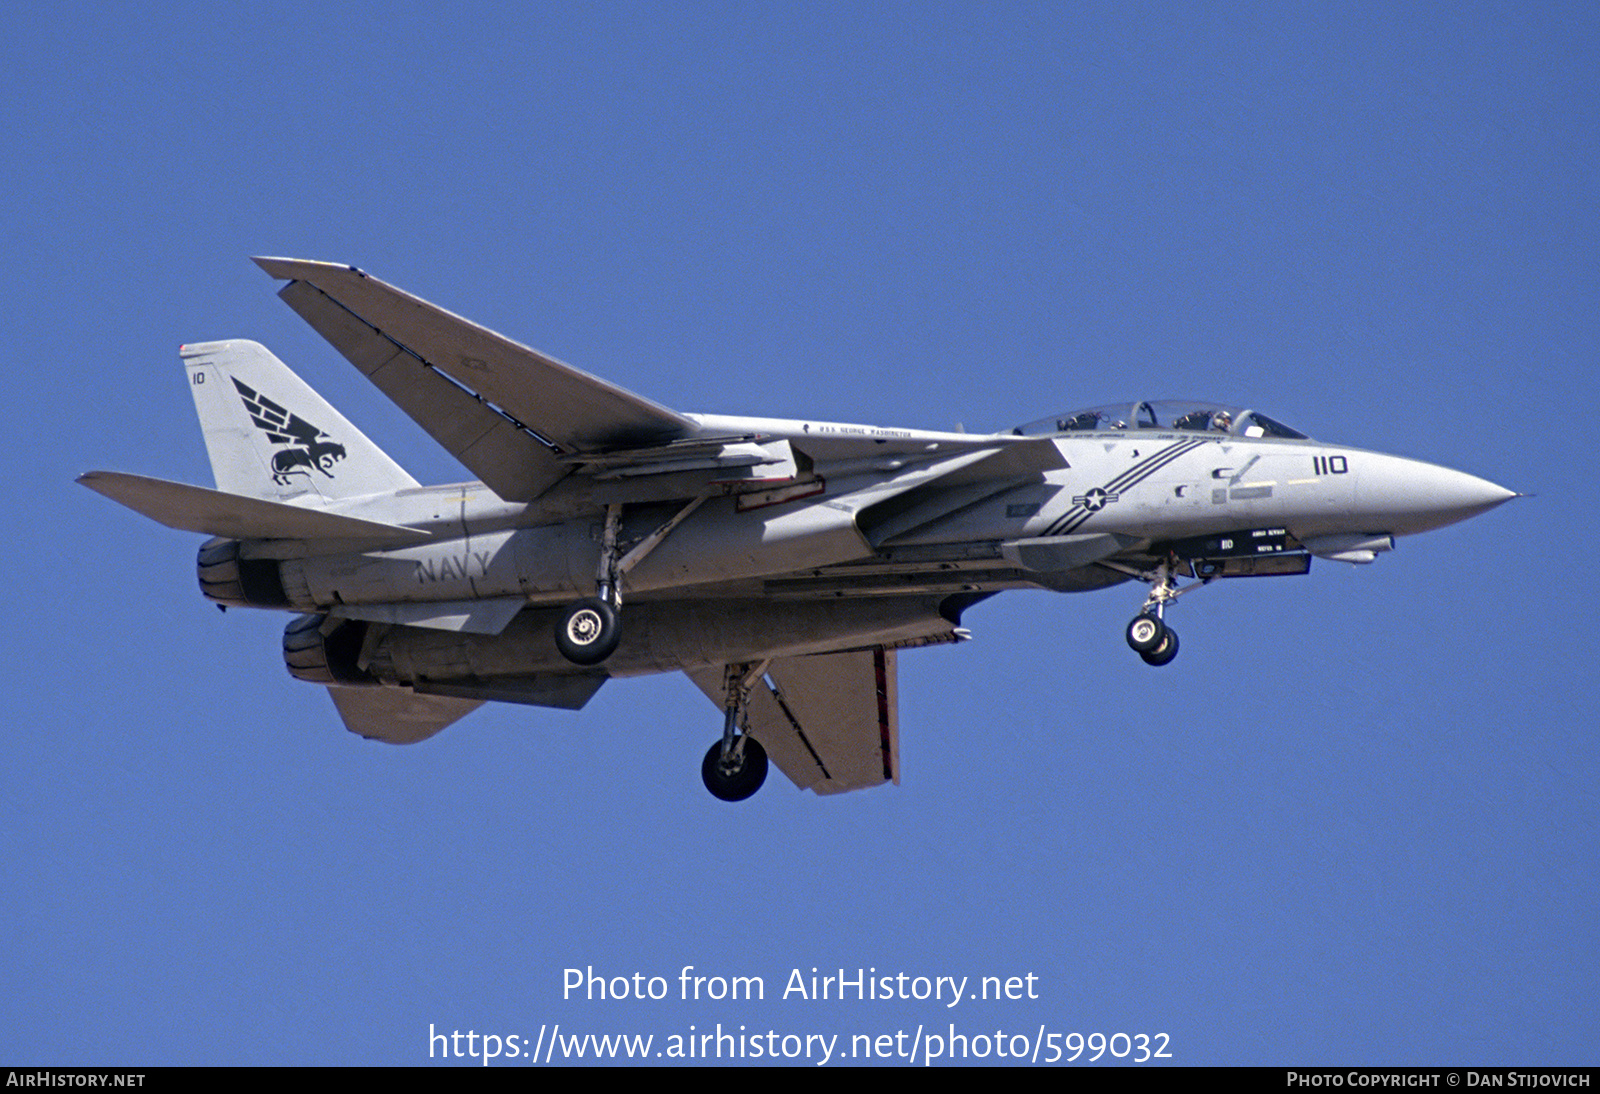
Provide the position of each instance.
(397, 716)
(233, 516)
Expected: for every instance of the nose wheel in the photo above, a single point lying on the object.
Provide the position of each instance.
(1166, 651)
(1152, 639)
(1148, 634)
(1145, 633)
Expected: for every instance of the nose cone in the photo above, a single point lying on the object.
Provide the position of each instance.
(1405, 496)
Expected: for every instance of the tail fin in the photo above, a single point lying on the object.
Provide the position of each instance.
(270, 436)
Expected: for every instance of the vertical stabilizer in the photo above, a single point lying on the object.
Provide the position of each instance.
(270, 436)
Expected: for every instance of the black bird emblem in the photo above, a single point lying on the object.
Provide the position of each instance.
(309, 447)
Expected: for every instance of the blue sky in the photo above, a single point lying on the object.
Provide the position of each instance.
(1355, 822)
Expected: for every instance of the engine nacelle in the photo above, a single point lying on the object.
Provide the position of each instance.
(320, 650)
(243, 582)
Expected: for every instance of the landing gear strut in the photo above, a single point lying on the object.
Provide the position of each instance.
(1148, 633)
(590, 629)
(736, 766)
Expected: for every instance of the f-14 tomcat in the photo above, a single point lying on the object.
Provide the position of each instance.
(781, 564)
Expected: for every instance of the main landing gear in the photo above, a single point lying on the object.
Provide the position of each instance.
(736, 766)
(1148, 633)
(590, 629)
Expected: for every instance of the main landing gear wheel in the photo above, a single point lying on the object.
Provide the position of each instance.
(1145, 635)
(588, 632)
(1166, 651)
(738, 777)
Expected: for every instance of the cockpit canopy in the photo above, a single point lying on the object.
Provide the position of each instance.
(1166, 415)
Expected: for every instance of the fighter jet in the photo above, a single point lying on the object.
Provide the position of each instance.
(782, 564)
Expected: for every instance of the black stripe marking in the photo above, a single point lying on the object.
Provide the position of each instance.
(1134, 475)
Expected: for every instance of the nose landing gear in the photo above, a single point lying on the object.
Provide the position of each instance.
(1148, 633)
(1152, 639)
(1145, 633)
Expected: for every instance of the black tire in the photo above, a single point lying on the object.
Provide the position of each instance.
(735, 786)
(588, 631)
(1164, 653)
(1146, 633)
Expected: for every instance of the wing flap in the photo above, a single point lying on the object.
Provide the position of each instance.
(830, 722)
(234, 516)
